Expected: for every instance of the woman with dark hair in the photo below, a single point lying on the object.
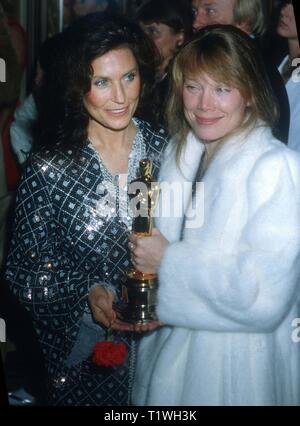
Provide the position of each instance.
(69, 252)
(228, 267)
(169, 24)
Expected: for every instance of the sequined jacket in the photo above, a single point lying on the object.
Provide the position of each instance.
(61, 246)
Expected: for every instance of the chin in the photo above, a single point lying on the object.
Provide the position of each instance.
(118, 127)
(119, 124)
(208, 137)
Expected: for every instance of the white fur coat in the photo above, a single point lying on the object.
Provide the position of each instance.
(229, 289)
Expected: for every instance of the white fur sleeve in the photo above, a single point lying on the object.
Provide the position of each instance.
(254, 288)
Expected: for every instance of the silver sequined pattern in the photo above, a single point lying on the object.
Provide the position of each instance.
(63, 243)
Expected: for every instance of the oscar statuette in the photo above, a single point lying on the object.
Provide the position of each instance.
(139, 289)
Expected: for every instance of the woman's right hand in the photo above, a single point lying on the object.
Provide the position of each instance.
(101, 304)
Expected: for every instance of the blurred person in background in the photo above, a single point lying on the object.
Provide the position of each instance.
(290, 69)
(74, 9)
(169, 24)
(84, 7)
(22, 130)
(12, 54)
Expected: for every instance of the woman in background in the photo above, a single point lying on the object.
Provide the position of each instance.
(169, 24)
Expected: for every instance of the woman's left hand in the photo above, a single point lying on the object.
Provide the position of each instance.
(119, 325)
(147, 252)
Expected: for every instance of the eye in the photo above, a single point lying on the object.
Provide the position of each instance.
(101, 82)
(191, 87)
(153, 32)
(210, 11)
(130, 76)
(222, 89)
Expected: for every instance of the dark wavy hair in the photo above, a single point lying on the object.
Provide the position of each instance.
(63, 118)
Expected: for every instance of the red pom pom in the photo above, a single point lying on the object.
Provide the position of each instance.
(109, 354)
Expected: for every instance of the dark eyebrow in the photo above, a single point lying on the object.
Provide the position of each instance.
(135, 69)
(102, 77)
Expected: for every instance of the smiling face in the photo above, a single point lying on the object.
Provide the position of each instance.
(115, 89)
(212, 109)
(209, 12)
(287, 23)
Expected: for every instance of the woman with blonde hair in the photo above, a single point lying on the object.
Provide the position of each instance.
(228, 268)
(250, 17)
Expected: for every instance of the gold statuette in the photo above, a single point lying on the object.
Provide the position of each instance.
(139, 289)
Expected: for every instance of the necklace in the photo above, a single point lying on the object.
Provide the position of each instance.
(137, 153)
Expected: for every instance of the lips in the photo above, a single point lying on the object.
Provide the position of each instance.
(283, 24)
(118, 112)
(207, 121)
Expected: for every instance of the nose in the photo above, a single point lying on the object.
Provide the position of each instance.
(286, 10)
(206, 101)
(119, 93)
(199, 20)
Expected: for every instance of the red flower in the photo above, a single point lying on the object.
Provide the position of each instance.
(109, 354)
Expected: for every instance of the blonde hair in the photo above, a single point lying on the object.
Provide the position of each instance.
(251, 13)
(227, 55)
